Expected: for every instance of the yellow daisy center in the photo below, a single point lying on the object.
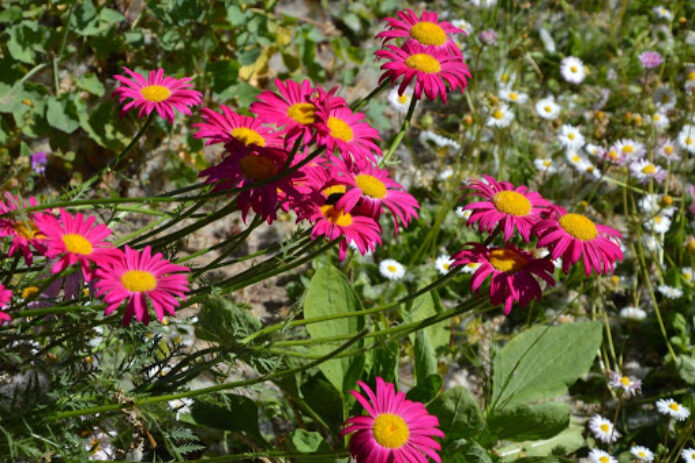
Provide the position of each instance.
(336, 216)
(574, 68)
(335, 189)
(657, 117)
(139, 281)
(575, 158)
(390, 431)
(690, 76)
(688, 276)
(657, 219)
(688, 141)
(257, 167)
(498, 114)
(403, 99)
(579, 226)
(605, 427)
(615, 279)
(625, 381)
(446, 265)
(27, 230)
(428, 33)
(371, 186)
(155, 93)
(628, 149)
(547, 163)
(506, 260)
(641, 454)
(423, 62)
(391, 268)
(691, 245)
(513, 96)
(29, 291)
(248, 136)
(570, 136)
(668, 150)
(505, 77)
(604, 459)
(472, 265)
(674, 406)
(340, 130)
(613, 155)
(304, 113)
(77, 244)
(649, 169)
(512, 203)
(548, 109)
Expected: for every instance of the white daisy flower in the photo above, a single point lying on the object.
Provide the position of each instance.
(651, 242)
(687, 274)
(427, 136)
(180, 406)
(547, 108)
(686, 138)
(513, 96)
(462, 213)
(672, 409)
(99, 445)
(626, 384)
(599, 456)
(501, 116)
(443, 264)
(446, 174)
(688, 455)
(625, 151)
(484, 3)
(689, 80)
(659, 121)
(664, 99)
(642, 453)
(652, 203)
(463, 25)
(633, 313)
(545, 165)
(391, 269)
(594, 150)
(589, 170)
(603, 429)
(670, 292)
(662, 12)
(505, 78)
(572, 70)
(400, 103)
(660, 223)
(669, 151)
(644, 171)
(547, 39)
(470, 267)
(570, 137)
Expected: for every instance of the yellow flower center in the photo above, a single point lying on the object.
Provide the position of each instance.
(391, 268)
(688, 276)
(628, 149)
(512, 203)
(615, 279)
(248, 136)
(604, 459)
(513, 96)
(506, 260)
(472, 265)
(649, 169)
(691, 245)
(657, 117)
(579, 226)
(304, 113)
(641, 454)
(604, 427)
(428, 33)
(155, 93)
(257, 167)
(576, 158)
(77, 244)
(674, 406)
(668, 150)
(657, 219)
(505, 77)
(335, 189)
(403, 99)
(423, 62)
(27, 230)
(574, 68)
(336, 216)
(446, 265)
(498, 114)
(138, 281)
(613, 155)
(570, 136)
(691, 75)
(340, 130)
(390, 431)
(547, 163)
(548, 109)
(625, 381)
(29, 291)
(688, 141)
(371, 186)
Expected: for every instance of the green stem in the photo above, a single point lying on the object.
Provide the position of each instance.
(401, 134)
(357, 105)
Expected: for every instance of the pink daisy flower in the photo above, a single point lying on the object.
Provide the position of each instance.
(232, 127)
(335, 224)
(506, 207)
(512, 271)
(5, 296)
(342, 129)
(573, 236)
(247, 167)
(394, 430)
(373, 191)
(136, 277)
(426, 30)
(432, 69)
(156, 92)
(21, 227)
(76, 240)
(651, 59)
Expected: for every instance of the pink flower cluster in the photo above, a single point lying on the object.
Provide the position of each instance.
(510, 211)
(66, 240)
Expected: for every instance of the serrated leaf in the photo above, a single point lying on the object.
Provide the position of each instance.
(224, 322)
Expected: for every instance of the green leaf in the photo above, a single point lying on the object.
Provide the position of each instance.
(686, 369)
(330, 293)
(84, 20)
(236, 413)
(62, 114)
(309, 442)
(470, 452)
(425, 306)
(426, 390)
(529, 422)
(109, 17)
(540, 363)
(223, 321)
(91, 83)
(425, 359)
(11, 14)
(25, 40)
(385, 362)
(458, 412)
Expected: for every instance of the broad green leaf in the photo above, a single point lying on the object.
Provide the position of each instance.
(11, 14)
(330, 293)
(458, 412)
(471, 452)
(62, 115)
(236, 413)
(529, 422)
(110, 16)
(567, 442)
(540, 363)
(25, 40)
(384, 362)
(426, 390)
(425, 306)
(309, 442)
(84, 20)
(91, 83)
(223, 321)
(686, 369)
(425, 358)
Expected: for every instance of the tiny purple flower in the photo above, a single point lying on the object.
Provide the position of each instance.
(650, 59)
(488, 37)
(38, 162)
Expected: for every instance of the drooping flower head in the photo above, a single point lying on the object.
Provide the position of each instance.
(363, 232)
(137, 277)
(156, 92)
(506, 207)
(431, 69)
(426, 30)
(373, 190)
(250, 168)
(512, 273)
(574, 236)
(394, 430)
(5, 296)
(26, 236)
(235, 128)
(75, 240)
(341, 130)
